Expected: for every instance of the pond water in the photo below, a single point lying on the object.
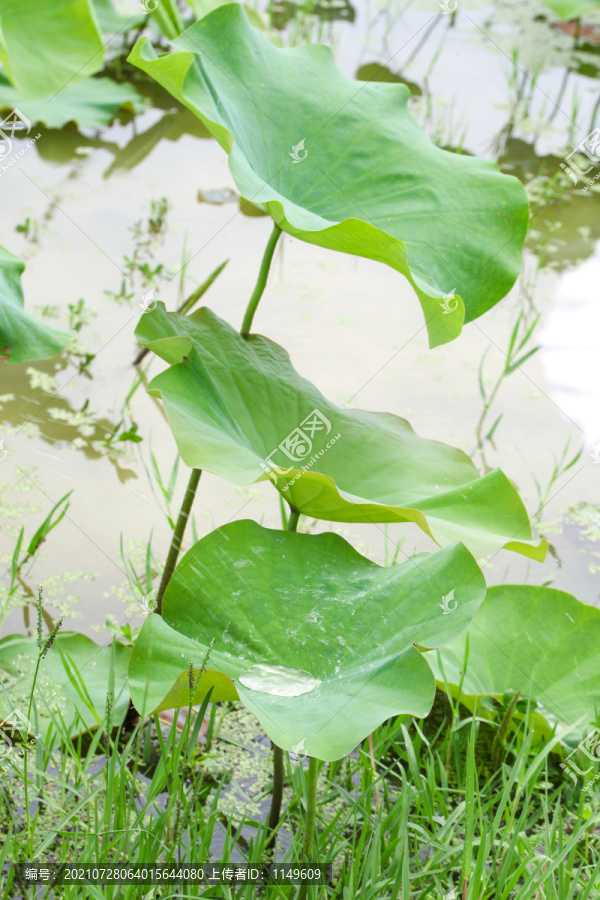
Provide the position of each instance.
(501, 83)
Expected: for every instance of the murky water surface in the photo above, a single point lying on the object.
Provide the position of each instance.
(498, 82)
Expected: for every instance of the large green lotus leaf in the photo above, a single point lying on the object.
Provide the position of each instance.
(47, 44)
(542, 642)
(364, 178)
(91, 103)
(55, 692)
(571, 9)
(311, 604)
(233, 402)
(23, 338)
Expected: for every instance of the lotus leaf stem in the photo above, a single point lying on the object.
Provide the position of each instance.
(311, 817)
(190, 492)
(292, 524)
(277, 795)
(184, 513)
(278, 769)
(261, 280)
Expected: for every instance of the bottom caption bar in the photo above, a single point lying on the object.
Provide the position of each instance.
(155, 873)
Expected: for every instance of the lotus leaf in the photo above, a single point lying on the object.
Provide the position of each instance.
(23, 338)
(571, 9)
(55, 693)
(47, 44)
(307, 605)
(237, 408)
(91, 103)
(537, 640)
(344, 165)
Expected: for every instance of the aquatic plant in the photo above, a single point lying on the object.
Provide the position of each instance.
(22, 337)
(322, 645)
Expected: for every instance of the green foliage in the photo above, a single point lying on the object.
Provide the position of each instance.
(47, 44)
(322, 645)
(536, 640)
(65, 703)
(23, 338)
(233, 420)
(91, 103)
(312, 604)
(113, 22)
(527, 834)
(571, 9)
(371, 183)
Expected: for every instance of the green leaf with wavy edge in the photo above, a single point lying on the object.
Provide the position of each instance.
(91, 103)
(232, 403)
(23, 338)
(571, 9)
(311, 604)
(47, 44)
(537, 640)
(363, 177)
(54, 690)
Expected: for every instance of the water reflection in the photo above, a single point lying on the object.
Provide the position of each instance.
(284, 11)
(565, 223)
(170, 127)
(51, 417)
(376, 72)
(436, 58)
(570, 342)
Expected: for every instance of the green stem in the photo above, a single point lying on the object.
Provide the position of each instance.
(292, 524)
(374, 771)
(311, 817)
(261, 281)
(195, 476)
(175, 547)
(26, 760)
(311, 807)
(277, 795)
(278, 768)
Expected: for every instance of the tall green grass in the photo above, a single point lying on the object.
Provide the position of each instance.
(431, 818)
